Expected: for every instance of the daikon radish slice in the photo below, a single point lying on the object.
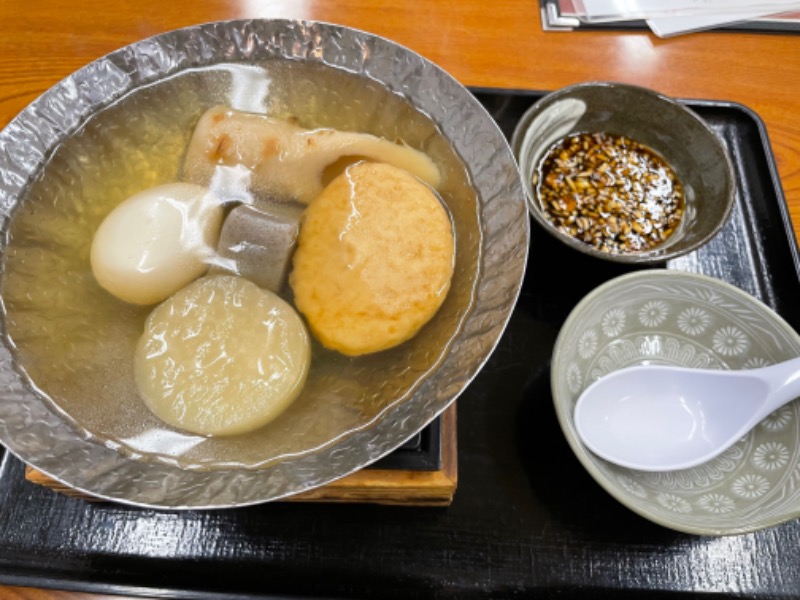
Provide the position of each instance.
(222, 357)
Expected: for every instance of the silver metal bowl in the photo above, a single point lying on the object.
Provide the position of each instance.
(491, 215)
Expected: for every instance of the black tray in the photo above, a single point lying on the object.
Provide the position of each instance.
(527, 519)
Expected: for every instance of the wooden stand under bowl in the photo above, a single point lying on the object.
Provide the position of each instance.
(369, 486)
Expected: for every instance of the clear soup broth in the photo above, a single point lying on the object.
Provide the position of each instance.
(76, 342)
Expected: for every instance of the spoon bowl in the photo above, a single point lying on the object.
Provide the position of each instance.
(666, 418)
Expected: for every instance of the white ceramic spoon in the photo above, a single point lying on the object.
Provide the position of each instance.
(661, 418)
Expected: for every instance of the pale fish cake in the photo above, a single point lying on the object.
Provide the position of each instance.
(221, 356)
(374, 259)
(284, 160)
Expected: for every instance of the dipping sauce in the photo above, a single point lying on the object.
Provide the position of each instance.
(609, 192)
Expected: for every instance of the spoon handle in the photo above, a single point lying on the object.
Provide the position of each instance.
(784, 381)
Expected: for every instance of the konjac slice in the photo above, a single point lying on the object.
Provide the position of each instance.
(221, 356)
(257, 242)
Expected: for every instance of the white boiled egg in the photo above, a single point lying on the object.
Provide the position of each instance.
(156, 242)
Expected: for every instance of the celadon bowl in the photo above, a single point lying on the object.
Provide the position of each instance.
(690, 320)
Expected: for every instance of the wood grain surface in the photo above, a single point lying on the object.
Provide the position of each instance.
(367, 486)
(485, 44)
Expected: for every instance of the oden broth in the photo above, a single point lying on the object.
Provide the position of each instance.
(75, 341)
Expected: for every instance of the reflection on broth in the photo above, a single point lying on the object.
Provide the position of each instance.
(76, 341)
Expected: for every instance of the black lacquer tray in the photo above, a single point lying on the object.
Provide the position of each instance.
(526, 520)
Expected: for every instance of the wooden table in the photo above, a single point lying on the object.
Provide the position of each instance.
(485, 44)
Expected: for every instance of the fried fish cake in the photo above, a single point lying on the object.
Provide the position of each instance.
(374, 259)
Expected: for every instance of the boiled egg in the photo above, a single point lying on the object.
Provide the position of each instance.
(156, 242)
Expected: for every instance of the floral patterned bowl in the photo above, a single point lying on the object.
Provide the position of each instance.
(691, 320)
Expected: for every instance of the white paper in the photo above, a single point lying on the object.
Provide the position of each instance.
(619, 10)
(669, 26)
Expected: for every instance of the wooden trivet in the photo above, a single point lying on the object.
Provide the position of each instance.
(372, 486)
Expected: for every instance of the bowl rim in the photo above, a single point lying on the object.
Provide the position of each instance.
(52, 446)
(587, 459)
(652, 256)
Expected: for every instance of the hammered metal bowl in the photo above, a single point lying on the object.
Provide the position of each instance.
(688, 320)
(355, 412)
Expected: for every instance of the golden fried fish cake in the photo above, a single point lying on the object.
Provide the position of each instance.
(374, 259)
